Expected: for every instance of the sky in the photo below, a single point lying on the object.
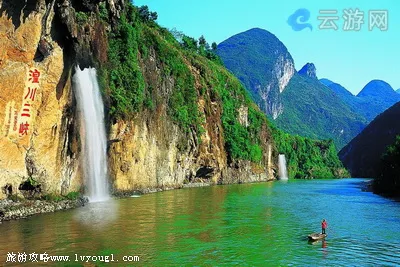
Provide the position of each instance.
(348, 57)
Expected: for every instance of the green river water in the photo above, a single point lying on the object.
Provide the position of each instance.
(263, 224)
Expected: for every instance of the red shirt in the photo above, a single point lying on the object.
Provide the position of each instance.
(324, 225)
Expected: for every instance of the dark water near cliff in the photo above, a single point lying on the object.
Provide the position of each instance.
(248, 225)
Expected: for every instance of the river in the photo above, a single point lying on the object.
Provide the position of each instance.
(263, 224)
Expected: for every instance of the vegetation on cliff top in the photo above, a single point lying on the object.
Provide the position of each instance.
(131, 43)
(197, 73)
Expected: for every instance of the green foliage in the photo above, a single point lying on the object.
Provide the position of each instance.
(200, 47)
(389, 179)
(73, 195)
(52, 198)
(32, 181)
(146, 15)
(189, 43)
(125, 78)
(58, 198)
(202, 41)
(183, 100)
(103, 11)
(241, 142)
(309, 159)
(81, 18)
(313, 111)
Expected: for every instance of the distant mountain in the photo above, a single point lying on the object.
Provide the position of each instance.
(312, 109)
(362, 155)
(398, 91)
(297, 102)
(338, 89)
(377, 89)
(374, 98)
(263, 64)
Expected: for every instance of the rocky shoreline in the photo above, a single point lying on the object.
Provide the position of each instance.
(13, 210)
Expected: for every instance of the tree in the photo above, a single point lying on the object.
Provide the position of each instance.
(189, 43)
(153, 16)
(146, 15)
(177, 34)
(214, 46)
(202, 41)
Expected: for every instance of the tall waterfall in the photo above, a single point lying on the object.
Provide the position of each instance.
(93, 134)
(282, 167)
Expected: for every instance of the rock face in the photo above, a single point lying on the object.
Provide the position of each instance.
(36, 135)
(309, 70)
(40, 42)
(262, 63)
(152, 152)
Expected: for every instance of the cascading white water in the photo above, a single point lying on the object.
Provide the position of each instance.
(282, 167)
(93, 134)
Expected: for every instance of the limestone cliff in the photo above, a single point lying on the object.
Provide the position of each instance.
(264, 65)
(40, 43)
(36, 116)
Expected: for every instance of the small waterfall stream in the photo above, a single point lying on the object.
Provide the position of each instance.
(93, 134)
(282, 168)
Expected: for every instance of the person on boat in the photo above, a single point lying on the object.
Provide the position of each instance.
(324, 225)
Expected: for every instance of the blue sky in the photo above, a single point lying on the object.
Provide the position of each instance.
(351, 58)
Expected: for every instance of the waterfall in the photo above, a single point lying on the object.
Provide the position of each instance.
(282, 167)
(93, 134)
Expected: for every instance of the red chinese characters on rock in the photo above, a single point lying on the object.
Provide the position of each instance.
(34, 76)
(31, 94)
(29, 98)
(23, 128)
(26, 110)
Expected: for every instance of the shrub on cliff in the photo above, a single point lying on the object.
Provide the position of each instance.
(389, 179)
(125, 79)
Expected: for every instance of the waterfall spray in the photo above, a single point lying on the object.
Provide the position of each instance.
(93, 134)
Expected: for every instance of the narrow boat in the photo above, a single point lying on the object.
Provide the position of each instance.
(316, 236)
